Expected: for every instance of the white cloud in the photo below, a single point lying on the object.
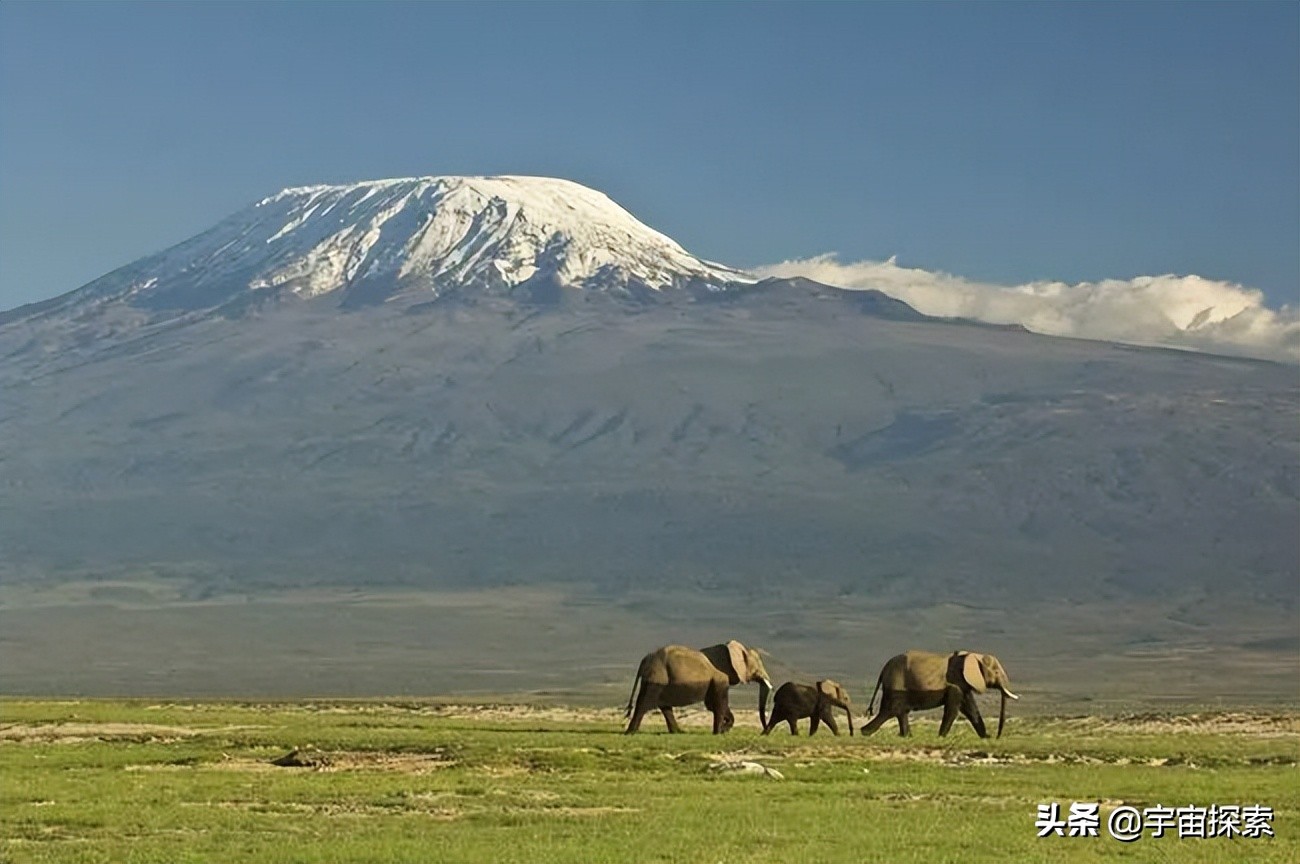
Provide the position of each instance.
(1176, 311)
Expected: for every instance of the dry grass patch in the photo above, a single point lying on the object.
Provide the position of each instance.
(1225, 723)
(76, 733)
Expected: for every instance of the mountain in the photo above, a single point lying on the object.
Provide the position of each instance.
(425, 434)
(416, 238)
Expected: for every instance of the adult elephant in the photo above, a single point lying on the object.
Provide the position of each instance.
(676, 675)
(919, 680)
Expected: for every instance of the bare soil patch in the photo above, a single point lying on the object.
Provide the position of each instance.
(358, 760)
(613, 717)
(540, 713)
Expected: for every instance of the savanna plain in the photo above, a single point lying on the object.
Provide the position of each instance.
(387, 781)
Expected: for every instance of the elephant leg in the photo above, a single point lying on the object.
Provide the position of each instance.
(645, 700)
(814, 723)
(673, 728)
(876, 722)
(720, 712)
(716, 701)
(971, 712)
(893, 705)
(829, 720)
(951, 706)
(793, 723)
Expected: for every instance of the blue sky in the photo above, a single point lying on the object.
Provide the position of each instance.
(1003, 143)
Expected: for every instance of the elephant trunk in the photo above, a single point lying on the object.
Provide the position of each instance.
(1002, 710)
(764, 687)
(848, 712)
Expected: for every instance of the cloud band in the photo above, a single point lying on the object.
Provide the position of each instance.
(1188, 312)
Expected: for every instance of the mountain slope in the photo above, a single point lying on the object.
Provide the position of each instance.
(804, 417)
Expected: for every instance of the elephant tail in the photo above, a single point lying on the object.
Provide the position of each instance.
(627, 712)
(871, 707)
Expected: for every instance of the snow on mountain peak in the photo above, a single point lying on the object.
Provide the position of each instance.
(421, 236)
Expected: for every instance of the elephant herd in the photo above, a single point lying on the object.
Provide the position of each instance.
(675, 676)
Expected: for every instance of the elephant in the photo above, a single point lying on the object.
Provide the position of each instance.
(792, 702)
(919, 680)
(676, 675)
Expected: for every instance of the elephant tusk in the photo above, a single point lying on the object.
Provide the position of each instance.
(1007, 692)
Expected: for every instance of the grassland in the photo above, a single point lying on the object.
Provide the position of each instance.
(114, 781)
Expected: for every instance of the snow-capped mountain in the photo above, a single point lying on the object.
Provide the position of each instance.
(418, 238)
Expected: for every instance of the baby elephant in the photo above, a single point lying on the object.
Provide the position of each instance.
(793, 702)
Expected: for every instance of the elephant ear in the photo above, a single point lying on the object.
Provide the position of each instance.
(827, 688)
(970, 670)
(739, 667)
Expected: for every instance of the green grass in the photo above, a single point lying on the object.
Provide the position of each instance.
(103, 781)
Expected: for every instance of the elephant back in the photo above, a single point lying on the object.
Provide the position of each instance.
(673, 664)
(918, 671)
